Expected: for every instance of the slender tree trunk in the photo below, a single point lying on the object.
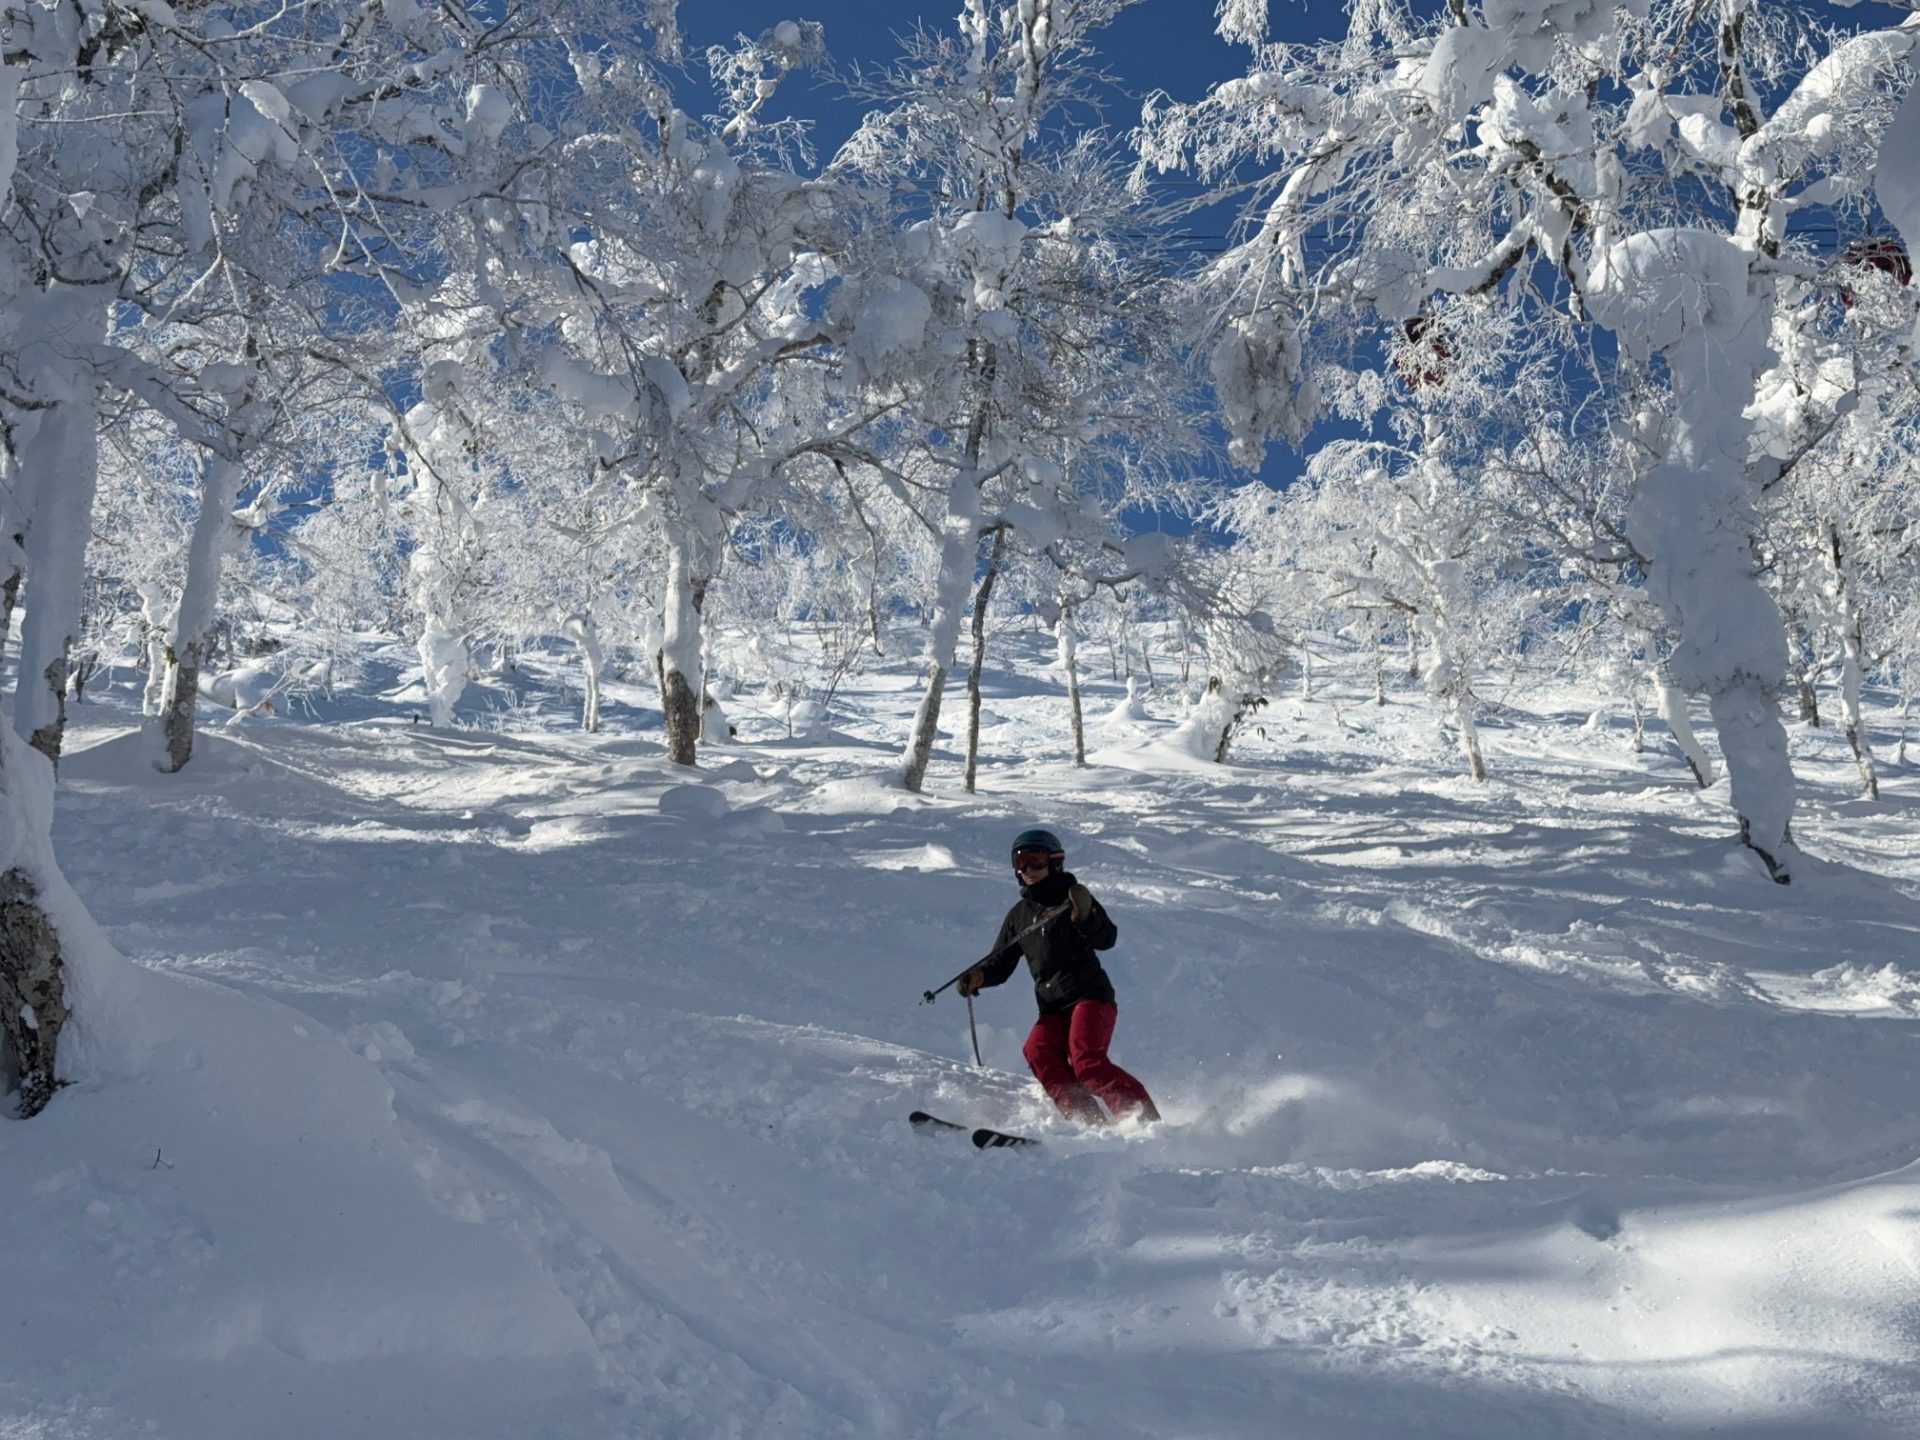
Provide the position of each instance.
(958, 549)
(1463, 719)
(153, 694)
(584, 633)
(980, 600)
(1839, 614)
(1639, 721)
(1857, 729)
(1442, 623)
(702, 588)
(1805, 663)
(1673, 710)
(1223, 739)
(1070, 668)
(1237, 700)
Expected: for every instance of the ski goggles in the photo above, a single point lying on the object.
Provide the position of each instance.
(1025, 860)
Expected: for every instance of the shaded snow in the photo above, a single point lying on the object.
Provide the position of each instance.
(508, 1084)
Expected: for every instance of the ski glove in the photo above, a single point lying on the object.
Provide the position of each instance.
(972, 983)
(1081, 899)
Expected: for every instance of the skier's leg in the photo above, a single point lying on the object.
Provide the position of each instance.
(1046, 1052)
(1088, 1036)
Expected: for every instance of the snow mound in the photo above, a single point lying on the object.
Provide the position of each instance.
(258, 1185)
(1130, 709)
(126, 758)
(693, 802)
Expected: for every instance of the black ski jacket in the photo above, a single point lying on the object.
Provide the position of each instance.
(1060, 957)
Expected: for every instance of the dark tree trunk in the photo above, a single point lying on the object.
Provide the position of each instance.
(32, 992)
(179, 705)
(48, 738)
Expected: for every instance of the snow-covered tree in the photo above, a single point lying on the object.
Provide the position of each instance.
(694, 285)
(247, 127)
(1631, 177)
(1013, 322)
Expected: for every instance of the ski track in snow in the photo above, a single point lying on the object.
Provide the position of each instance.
(1521, 1109)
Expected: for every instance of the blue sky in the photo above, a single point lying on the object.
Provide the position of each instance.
(1158, 44)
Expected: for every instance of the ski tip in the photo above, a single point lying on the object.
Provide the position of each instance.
(998, 1140)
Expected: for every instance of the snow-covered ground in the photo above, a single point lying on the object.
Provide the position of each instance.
(505, 1082)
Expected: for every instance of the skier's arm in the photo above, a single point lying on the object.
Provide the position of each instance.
(1097, 929)
(995, 971)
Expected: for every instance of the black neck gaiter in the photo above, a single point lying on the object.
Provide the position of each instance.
(1050, 889)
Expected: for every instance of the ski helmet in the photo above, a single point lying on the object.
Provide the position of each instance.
(1041, 840)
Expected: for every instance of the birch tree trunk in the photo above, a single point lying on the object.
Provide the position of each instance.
(980, 600)
(959, 544)
(679, 658)
(709, 707)
(584, 633)
(1463, 718)
(1847, 623)
(153, 646)
(213, 533)
(1804, 658)
(1441, 623)
(1069, 642)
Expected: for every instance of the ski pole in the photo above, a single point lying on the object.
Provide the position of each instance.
(1040, 924)
(971, 1030)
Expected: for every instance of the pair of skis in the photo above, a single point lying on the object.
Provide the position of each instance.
(983, 1138)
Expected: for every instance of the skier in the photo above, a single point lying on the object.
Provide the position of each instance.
(1067, 1049)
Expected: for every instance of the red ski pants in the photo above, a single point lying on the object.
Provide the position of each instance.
(1068, 1056)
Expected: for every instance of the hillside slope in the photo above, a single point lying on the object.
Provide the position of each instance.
(507, 1083)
